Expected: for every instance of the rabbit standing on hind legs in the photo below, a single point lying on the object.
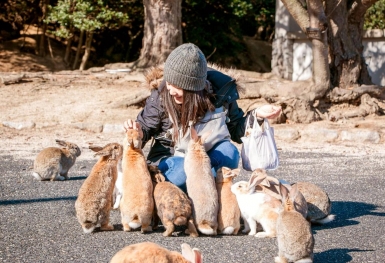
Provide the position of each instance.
(200, 184)
(137, 203)
(94, 201)
(294, 235)
(53, 163)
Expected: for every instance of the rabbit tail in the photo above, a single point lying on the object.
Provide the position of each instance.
(88, 228)
(324, 220)
(180, 221)
(37, 176)
(228, 230)
(205, 228)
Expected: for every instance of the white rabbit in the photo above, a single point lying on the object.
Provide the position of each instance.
(118, 189)
(294, 236)
(270, 186)
(256, 207)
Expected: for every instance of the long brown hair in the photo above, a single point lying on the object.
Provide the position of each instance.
(195, 105)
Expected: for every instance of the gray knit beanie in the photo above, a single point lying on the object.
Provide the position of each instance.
(186, 67)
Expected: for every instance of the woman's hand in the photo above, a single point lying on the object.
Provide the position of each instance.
(268, 111)
(131, 124)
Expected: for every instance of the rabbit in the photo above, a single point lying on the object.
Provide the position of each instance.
(53, 163)
(149, 252)
(200, 184)
(256, 207)
(318, 202)
(270, 186)
(118, 192)
(137, 203)
(172, 205)
(229, 214)
(294, 236)
(94, 201)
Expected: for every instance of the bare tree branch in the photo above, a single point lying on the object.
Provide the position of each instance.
(358, 10)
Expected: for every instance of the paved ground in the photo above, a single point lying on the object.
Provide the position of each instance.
(38, 223)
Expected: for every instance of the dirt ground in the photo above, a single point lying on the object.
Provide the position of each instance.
(73, 106)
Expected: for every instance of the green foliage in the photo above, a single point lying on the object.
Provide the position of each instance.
(87, 15)
(375, 16)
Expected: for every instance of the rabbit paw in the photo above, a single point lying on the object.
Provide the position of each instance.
(280, 260)
(107, 227)
(264, 234)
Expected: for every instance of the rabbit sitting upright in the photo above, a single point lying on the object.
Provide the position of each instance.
(94, 201)
(172, 205)
(294, 236)
(229, 214)
(200, 185)
(53, 163)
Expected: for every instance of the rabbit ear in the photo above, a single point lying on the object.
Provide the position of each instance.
(255, 180)
(205, 136)
(95, 148)
(60, 142)
(193, 134)
(284, 192)
(104, 152)
(231, 173)
(293, 192)
(187, 252)
(198, 256)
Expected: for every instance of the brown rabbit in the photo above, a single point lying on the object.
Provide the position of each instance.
(318, 203)
(200, 185)
(229, 214)
(172, 205)
(53, 163)
(94, 201)
(148, 252)
(137, 203)
(294, 236)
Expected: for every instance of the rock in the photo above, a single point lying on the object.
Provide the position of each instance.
(360, 135)
(19, 125)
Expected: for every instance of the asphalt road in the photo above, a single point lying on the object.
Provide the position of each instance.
(38, 223)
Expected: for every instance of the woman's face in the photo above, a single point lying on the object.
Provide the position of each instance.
(175, 92)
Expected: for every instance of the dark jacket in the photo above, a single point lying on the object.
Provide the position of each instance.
(155, 121)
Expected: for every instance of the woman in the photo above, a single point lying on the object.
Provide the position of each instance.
(192, 93)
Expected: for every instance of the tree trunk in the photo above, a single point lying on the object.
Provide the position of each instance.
(347, 65)
(69, 46)
(162, 31)
(41, 51)
(78, 50)
(87, 51)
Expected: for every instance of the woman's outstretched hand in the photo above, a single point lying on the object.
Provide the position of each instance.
(131, 124)
(268, 111)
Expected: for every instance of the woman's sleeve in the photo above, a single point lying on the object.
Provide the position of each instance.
(237, 122)
(150, 117)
